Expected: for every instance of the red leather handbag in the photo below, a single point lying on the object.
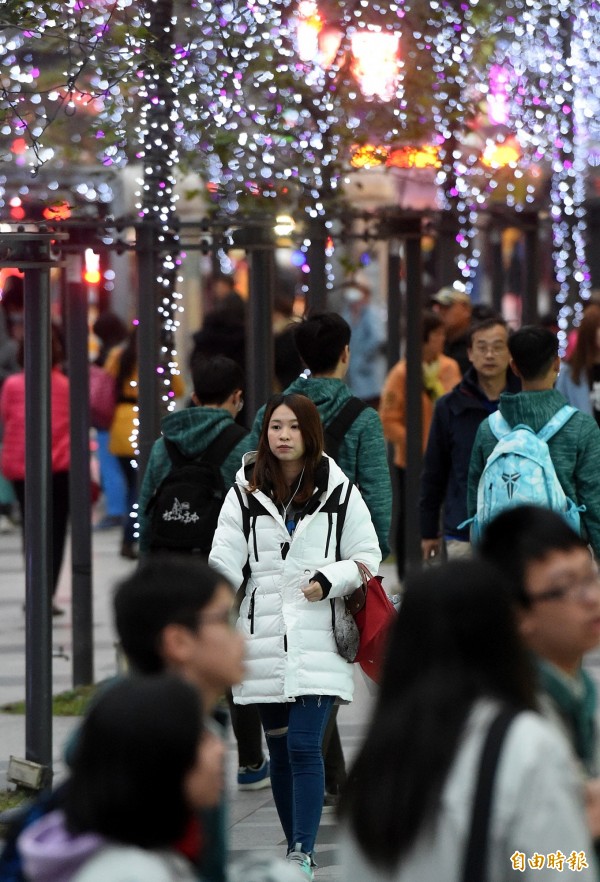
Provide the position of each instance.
(373, 620)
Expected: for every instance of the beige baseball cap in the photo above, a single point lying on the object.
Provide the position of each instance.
(451, 294)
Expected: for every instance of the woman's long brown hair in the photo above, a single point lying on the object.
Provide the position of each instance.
(268, 474)
(585, 353)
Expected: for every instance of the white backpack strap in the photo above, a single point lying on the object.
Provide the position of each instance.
(498, 425)
(555, 423)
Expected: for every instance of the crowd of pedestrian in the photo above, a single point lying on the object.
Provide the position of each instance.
(482, 757)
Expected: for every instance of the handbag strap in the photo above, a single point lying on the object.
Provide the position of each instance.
(476, 853)
(365, 574)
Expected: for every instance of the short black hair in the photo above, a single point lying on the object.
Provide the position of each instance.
(522, 534)
(431, 321)
(13, 294)
(110, 328)
(223, 277)
(320, 340)
(165, 589)
(533, 349)
(135, 746)
(485, 325)
(216, 378)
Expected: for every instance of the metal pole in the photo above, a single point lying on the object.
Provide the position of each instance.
(317, 282)
(394, 307)
(495, 240)
(447, 249)
(38, 519)
(259, 354)
(147, 345)
(258, 240)
(414, 392)
(531, 266)
(79, 480)
(30, 252)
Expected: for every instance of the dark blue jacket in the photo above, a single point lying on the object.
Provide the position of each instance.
(444, 480)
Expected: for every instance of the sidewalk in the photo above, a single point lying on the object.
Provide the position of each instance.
(253, 819)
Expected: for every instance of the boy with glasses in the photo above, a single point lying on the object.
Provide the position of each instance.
(556, 588)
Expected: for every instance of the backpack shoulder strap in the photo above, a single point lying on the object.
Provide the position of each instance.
(175, 455)
(219, 449)
(474, 869)
(337, 427)
(555, 423)
(498, 425)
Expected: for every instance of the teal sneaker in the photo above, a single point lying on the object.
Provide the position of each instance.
(254, 778)
(302, 861)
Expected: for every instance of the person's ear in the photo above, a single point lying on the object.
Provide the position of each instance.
(515, 369)
(195, 399)
(345, 356)
(525, 622)
(237, 399)
(175, 644)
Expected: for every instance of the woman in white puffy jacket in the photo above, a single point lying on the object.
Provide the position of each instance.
(294, 526)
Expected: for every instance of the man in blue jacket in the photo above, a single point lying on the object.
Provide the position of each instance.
(456, 419)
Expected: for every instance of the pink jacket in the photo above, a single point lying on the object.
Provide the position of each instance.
(12, 415)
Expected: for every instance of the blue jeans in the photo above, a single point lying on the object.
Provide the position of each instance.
(111, 477)
(294, 732)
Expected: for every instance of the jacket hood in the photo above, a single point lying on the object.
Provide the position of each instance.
(532, 408)
(194, 428)
(328, 476)
(51, 854)
(328, 394)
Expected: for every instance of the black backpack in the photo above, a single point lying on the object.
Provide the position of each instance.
(337, 427)
(185, 507)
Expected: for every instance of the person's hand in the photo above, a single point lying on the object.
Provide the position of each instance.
(313, 592)
(430, 548)
(592, 806)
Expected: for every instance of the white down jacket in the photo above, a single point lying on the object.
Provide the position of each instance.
(290, 647)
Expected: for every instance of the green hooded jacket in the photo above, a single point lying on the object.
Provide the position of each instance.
(362, 453)
(193, 430)
(575, 452)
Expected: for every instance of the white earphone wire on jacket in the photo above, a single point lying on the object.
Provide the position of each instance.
(290, 500)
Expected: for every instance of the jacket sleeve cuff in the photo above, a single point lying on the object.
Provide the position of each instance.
(323, 582)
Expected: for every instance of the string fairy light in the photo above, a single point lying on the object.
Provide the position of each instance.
(554, 52)
(451, 36)
(271, 118)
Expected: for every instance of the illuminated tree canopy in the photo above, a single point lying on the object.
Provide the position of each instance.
(266, 121)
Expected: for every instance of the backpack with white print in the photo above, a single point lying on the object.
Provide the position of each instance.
(185, 507)
(520, 471)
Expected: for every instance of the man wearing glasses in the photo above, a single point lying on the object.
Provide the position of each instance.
(555, 584)
(574, 449)
(456, 418)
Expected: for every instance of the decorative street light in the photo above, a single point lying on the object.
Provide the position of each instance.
(375, 63)
(374, 51)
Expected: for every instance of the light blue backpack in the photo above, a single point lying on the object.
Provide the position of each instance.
(520, 471)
